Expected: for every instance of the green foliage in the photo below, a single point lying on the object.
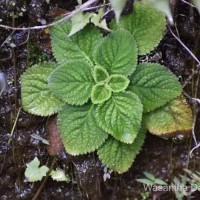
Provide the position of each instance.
(79, 131)
(121, 116)
(79, 46)
(100, 74)
(118, 83)
(59, 175)
(146, 25)
(100, 93)
(79, 21)
(34, 172)
(117, 53)
(150, 179)
(118, 155)
(154, 85)
(103, 87)
(72, 82)
(118, 6)
(36, 96)
(98, 21)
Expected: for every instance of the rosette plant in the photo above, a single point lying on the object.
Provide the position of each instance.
(105, 100)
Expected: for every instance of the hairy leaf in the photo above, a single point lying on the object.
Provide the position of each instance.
(146, 24)
(118, 82)
(117, 53)
(98, 21)
(78, 46)
(72, 82)
(120, 156)
(118, 6)
(36, 96)
(79, 130)
(79, 21)
(100, 93)
(121, 116)
(171, 119)
(163, 6)
(34, 172)
(155, 85)
(100, 74)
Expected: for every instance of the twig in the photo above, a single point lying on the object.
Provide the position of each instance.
(81, 8)
(96, 7)
(187, 3)
(13, 128)
(188, 50)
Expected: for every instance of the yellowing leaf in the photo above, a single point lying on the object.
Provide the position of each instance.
(79, 21)
(118, 6)
(98, 21)
(34, 172)
(171, 119)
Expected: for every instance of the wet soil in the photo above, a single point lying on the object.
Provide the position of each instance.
(163, 158)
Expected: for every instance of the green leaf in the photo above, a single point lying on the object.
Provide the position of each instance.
(59, 175)
(76, 47)
(117, 53)
(98, 21)
(72, 82)
(100, 93)
(146, 24)
(79, 130)
(155, 85)
(160, 182)
(118, 6)
(150, 176)
(79, 21)
(170, 120)
(36, 96)
(120, 156)
(34, 172)
(145, 181)
(163, 6)
(100, 74)
(121, 116)
(118, 82)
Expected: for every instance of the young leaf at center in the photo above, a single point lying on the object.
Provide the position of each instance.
(72, 82)
(100, 74)
(100, 93)
(79, 130)
(118, 82)
(121, 116)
